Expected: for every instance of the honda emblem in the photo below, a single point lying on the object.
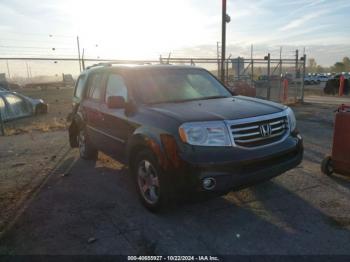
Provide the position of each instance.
(265, 130)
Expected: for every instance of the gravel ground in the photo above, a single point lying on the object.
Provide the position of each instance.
(93, 209)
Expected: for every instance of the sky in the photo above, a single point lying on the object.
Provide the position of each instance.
(142, 29)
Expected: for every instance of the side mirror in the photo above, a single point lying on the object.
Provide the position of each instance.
(116, 102)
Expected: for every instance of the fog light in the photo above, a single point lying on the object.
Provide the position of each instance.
(209, 183)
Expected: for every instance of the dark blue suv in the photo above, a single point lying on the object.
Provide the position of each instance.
(178, 128)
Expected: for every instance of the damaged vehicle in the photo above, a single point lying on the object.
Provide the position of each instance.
(179, 129)
(14, 105)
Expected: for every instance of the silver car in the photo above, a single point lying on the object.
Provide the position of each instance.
(14, 105)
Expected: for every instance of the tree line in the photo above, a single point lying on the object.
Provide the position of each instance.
(338, 67)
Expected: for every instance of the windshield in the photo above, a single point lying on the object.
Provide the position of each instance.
(177, 85)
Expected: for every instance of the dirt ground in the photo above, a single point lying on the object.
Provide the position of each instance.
(31, 149)
(86, 207)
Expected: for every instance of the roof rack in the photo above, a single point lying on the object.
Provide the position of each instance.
(95, 65)
(123, 62)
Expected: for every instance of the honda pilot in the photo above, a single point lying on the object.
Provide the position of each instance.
(178, 128)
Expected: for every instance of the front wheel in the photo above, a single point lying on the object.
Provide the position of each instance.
(327, 166)
(86, 149)
(150, 183)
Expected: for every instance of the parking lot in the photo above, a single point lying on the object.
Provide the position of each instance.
(89, 207)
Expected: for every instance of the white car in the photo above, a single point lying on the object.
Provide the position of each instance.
(310, 80)
(322, 78)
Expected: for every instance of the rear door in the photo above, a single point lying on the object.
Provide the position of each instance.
(91, 108)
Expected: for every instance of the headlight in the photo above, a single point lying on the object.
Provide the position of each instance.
(205, 134)
(291, 119)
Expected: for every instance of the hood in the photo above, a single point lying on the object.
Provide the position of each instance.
(230, 108)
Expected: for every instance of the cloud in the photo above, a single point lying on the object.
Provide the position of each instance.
(300, 21)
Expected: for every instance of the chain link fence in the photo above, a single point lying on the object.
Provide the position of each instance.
(279, 80)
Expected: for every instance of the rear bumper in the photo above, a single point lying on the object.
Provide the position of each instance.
(240, 174)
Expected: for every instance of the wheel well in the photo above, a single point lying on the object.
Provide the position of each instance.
(133, 153)
(73, 133)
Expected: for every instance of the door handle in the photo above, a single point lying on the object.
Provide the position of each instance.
(100, 116)
(97, 114)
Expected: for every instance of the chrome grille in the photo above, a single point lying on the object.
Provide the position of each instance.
(259, 131)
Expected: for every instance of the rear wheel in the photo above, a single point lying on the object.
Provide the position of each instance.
(327, 166)
(150, 183)
(86, 149)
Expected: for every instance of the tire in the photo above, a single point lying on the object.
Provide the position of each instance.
(149, 180)
(86, 149)
(41, 109)
(326, 166)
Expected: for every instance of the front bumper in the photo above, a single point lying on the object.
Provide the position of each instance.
(240, 173)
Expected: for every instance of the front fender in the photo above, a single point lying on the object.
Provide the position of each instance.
(146, 140)
(163, 146)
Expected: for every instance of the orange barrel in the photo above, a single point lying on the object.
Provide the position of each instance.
(341, 85)
(341, 141)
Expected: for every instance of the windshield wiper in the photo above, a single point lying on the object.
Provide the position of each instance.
(213, 97)
(187, 100)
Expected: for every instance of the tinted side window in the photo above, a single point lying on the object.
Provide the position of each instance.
(116, 86)
(95, 86)
(80, 87)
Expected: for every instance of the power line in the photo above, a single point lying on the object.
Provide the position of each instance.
(31, 41)
(23, 52)
(41, 34)
(34, 47)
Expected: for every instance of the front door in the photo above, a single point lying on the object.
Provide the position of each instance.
(115, 122)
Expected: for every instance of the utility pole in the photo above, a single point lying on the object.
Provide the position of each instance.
(82, 61)
(280, 52)
(280, 86)
(27, 69)
(218, 57)
(252, 65)
(297, 73)
(8, 69)
(223, 41)
(303, 76)
(30, 71)
(78, 45)
(227, 63)
(168, 62)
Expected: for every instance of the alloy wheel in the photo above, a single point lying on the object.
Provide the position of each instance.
(148, 182)
(82, 142)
